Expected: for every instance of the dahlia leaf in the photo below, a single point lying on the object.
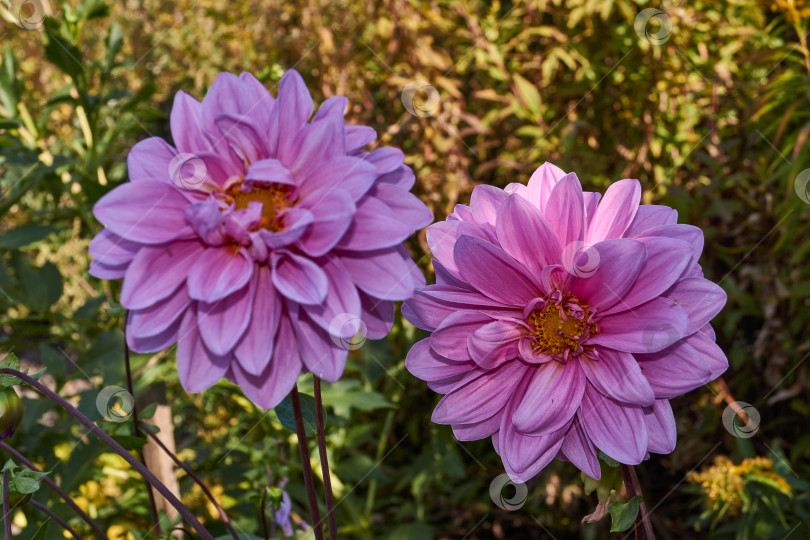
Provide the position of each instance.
(284, 411)
(607, 460)
(623, 515)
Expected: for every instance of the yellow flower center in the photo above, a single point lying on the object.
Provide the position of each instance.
(274, 199)
(561, 327)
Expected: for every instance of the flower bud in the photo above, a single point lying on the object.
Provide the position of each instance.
(11, 412)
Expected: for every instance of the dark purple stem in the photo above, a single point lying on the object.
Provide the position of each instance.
(117, 448)
(56, 518)
(631, 484)
(6, 509)
(262, 515)
(193, 476)
(327, 478)
(53, 485)
(305, 465)
(152, 506)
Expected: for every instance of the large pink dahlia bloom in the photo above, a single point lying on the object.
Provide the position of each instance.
(261, 240)
(562, 325)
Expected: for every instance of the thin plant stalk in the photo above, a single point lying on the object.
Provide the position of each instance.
(42, 508)
(56, 489)
(193, 476)
(631, 484)
(6, 509)
(117, 448)
(327, 478)
(152, 505)
(305, 464)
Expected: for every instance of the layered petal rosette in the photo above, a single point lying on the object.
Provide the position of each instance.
(262, 241)
(562, 324)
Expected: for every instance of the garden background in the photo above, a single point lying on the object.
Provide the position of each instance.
(712, 115)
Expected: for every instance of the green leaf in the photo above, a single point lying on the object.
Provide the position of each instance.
(623, 515)
(130, 442)
(529, 93)
(27, 481)
(60, 52)
(609, 461)
(284, 411)
(409, 531)
(24, 235)
(115, 40)
(148, 411)
(12, 362)
(40, 287)
(41, 532)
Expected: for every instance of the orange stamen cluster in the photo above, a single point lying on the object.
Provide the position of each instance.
(560, 328)
(274, 199)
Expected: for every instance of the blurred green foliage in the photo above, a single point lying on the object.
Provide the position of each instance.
(714, 121)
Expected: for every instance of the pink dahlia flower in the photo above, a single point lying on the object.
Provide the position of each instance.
(562, 325)
(261, 240)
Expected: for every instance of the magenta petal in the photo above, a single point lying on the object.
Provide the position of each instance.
(647, 328)
(186, 125)
(107, 271)
(526, 235)
(666, 260)
(242, 136)
(374, 227)
(333, 108)
(295, 221)
(610, 271)
(617, 375)
(156, 272)
(156, 318)
(700, 298)
(580, 451)
(378, 315)
(149, 212)
(478, 430)
(358, 136)
(618, 430)
(480, 398)
(648, 216)
(565, 210)
(442, 238)
(270, 171)
(332, 211)
(675, 370)
(485, 202)
(279, 376)
(111, 249)
(342, 300)
(385, 159)
(157, 342)
(551, 399)
(254, 351)
(351, 174)
(426, 364)
(218, 272)
(661, 428)
(542, 183)
(713, 355)
(382, 274)
(450, 338)
(298, 278)
(320, 354)
(615, 212)
(223, 322)
(294, 107)
(150, 159)
(495, 343)
(314, 143)
(197, 367)
(688, 233)
(430, 306)
(406, 206)
(493, 272)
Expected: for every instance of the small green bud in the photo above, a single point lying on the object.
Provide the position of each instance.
(11, 412)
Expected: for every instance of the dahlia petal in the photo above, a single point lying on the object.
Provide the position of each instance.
(528, 354)
(298, 278)
(157, 342)
(618, 430)
(219, 272)
(617, 263)
(351, 174)
(341, 300)
(156, 272)
(485, 202)
(378, 315)
(661, 429)
(647, 328)
(186, 126)
(477, 430)
(565, 211)
(279, 376)
(131, 211)
(269, 170)
(358, 136)
(206, 219)
(156, 318)
(700, 298)
(242, 136)
(107, 271)
(495, 343)
(295, 221)
(579, 450)
(542, 183)
(426, 364)
(150, 159)
(617, 375)
(385, 159)
(111, 249)
(383, 274)
(402, 177)
(223, 322)
(687, 233)
(428, 307)
(493, 272)
(197, 367)
(332, 108)
(314, 144)
(615, 212)
(525, 234)
(479, 398)
(332, 210)
(230, 96)
(675, 370)
(450, 338)
(255, 350)
(590, 199)
(713, 355)
(255, 101)
(405, 205)
(648, 216)
(320, 354)
(666, 260)
(551, 399)
(442, 238)
(374, 227)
